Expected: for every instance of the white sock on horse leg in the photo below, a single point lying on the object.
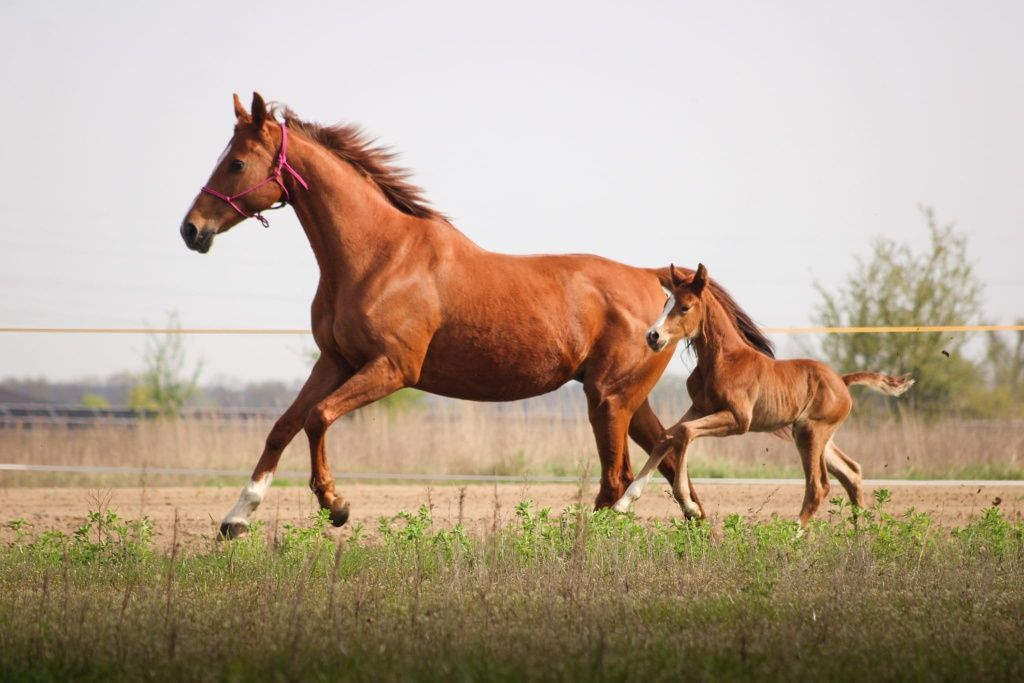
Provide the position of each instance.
(249, 500)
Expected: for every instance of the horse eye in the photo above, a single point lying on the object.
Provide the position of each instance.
(684, 309)
(237, 165)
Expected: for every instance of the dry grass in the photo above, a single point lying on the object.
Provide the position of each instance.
(474, 438)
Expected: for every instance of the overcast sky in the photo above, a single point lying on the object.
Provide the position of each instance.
(772, 141)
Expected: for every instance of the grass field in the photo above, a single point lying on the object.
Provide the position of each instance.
(575, 595)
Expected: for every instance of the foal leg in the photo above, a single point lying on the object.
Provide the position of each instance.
(810, 441)
(658, 453)
(846, 470)
(722, 423)
(325, 377)
(645, 428)
(373, 381)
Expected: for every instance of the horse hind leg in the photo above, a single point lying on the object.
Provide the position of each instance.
(847, 471)
(610, 424)
(810, 441)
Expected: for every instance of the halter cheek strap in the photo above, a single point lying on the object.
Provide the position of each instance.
(276, 176)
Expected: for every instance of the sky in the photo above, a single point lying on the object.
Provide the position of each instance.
(771, 141)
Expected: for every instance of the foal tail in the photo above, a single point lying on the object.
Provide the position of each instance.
(893, 386)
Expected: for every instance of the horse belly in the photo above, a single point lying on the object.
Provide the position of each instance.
(772, 412)
(494, 367)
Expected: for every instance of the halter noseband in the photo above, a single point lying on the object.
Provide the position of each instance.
(276, 176)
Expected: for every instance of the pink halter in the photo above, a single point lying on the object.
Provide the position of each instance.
(276, 176)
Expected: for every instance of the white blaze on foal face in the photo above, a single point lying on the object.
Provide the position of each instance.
(656, 336)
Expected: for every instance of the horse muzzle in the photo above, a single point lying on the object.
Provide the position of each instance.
(656, 341)
(196, 239)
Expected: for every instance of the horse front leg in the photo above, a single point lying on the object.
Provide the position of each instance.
(325, 377)
(375, 380)
(658, 451)
(684, 433)
(645, 428)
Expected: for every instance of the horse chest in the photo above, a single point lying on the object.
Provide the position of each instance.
(704, 387)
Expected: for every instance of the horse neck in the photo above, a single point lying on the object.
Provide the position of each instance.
(348, 221)
(718, 334)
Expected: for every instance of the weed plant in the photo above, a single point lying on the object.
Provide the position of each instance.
(578, 595)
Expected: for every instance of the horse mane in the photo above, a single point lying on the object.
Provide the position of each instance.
(743, 322)
(350, 143)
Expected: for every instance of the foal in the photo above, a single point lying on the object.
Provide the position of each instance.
(735, 389)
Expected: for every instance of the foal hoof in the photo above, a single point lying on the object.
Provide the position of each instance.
(231, 530)
(339, 515)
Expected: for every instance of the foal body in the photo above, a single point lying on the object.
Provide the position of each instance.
(736, 389)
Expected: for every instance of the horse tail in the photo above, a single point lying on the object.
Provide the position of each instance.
(887, 384)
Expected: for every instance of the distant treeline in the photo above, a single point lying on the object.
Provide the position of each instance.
(669, 397)
(117, 391)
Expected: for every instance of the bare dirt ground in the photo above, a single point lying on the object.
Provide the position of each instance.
(480, 507)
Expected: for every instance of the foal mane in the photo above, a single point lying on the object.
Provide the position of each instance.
(350, 143)
(743, 322)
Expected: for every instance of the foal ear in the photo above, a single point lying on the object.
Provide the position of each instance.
(674, 277)
(700, 279)
(259, 111)
(240, 113)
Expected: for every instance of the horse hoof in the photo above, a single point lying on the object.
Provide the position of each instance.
(692, 513)
(339, 516)
(231, 530)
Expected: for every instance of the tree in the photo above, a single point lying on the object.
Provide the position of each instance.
(1004, 357)
(91, 399)
(165, 386)
(896, 286)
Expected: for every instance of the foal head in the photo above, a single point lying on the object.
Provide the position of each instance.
(684, 311)
(236, 190)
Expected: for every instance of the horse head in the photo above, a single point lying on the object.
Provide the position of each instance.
(684, 310)
(247, 179)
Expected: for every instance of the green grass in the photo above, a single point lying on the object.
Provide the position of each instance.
(579, 595)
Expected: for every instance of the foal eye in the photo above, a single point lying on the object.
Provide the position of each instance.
(684, 309)
(237, 165)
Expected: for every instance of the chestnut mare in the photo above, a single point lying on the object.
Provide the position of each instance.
(735, 389)
(406, 300)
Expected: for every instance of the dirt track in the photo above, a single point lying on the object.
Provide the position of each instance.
(199, 509)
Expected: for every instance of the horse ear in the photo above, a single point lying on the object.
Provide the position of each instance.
(240, 113)
(700, 279)
(674, 277)
(259, 111)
